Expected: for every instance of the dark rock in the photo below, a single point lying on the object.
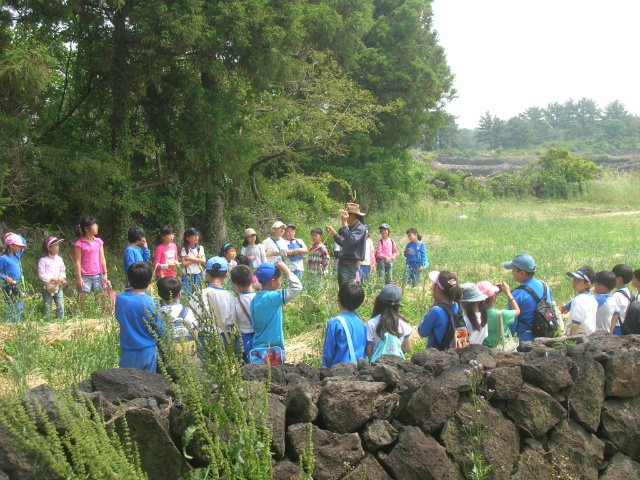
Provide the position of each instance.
(159, 457)
(479, 353)
(430, 406)
(621, 467)
(378, 434)
(587, 393)
(579, 451)
(620, 423)
(304, 370)
(386, 374)
(505, 382)
(435, 361)
(179, 421)
(533, 465)
(253, 394)
(504, 359)
(623, 376)
(301, 402)
(259, 372)
(286, 470)
(332, 451)
(549, 374)
(44, 396)
(408, 386)
(364, 367)
(609, 447)
(85, 386)
(120, 384)
(456, 378)
(612, 345)
(534, 411)
(346, 370)
(499, 445)
(402, 365)
(417, 456)
(345, 405)
(101, 404)
(17, 464)
(368, 469)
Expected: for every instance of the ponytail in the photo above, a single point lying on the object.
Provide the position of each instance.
(413, 230)
(165, 230)
(85, 223)
(451, 289)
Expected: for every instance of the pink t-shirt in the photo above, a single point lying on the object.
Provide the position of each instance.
(386, 248)
(89, 256)
(166, 255)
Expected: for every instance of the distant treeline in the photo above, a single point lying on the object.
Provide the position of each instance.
(581, 125)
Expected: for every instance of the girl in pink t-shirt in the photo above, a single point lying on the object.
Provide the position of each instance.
(91, 266)
(166, 257)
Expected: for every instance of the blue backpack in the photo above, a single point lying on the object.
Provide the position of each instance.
(390, 345)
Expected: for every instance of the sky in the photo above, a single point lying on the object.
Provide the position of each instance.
(509, 55)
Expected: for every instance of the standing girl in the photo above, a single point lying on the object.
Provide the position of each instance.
(166, 257)
(91, 266)
(446, 295)
(52, 272)
(475, 316)
(385, 254)
(193, 260)
(387, 321)
(253, 249)
(416, 255)
(228, 251)
(11, 277)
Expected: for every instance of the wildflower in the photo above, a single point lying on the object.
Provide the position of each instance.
(488, 373)
(491, 391)
(472, 362)
(475, 368)
(467, 372)
(478, 411)
(481, 397)
(479, 365)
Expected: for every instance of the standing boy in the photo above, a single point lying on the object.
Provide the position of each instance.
(242, 279)
(139, 318)
(137, 251)
(266, 307)
(295, 251)
(622, 296)
(582, 318)
(346, 336)
(275, 244)
(318, 259)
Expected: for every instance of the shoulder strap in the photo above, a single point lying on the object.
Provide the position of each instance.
(352, 354)
(499, 325)
(184, 312)
(243, 308)
(529, 290)
(628, 297)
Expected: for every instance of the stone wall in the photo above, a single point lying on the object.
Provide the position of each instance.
(567, 409)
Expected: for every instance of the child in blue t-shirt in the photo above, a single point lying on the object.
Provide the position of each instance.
(266, 307)
(139, 318)
(446, 290)
(137, 251)
(11, 277)
(416, 255)
(346, 335)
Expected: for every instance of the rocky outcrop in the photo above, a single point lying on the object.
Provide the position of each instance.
(551, 410)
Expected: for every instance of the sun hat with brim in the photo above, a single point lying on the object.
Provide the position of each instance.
(523, 262)
(581, 275)
(250, 231)
(217, 264)
(487, 288)
(51, 241)
(265, 272)
(433, 276)
(390, 294)
(14, 239)
(470, 293)
(353, 208)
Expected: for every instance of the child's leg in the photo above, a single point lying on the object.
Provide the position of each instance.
(187, 284)
(389, 272)
(59, 299)
(47, 299)
(381, 264)
(247, 345)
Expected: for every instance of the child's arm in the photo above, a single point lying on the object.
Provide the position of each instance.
(406, 345)
(42, 271)
(423, 255)
(103, 264)
(614, 322)
(146, 253)
(295, 287)
(78, 261)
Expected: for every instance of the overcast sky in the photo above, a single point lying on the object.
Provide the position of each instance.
(508, 55)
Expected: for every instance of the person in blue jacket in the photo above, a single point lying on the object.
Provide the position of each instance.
(137, 251)
(346, 336)
(446, 289)
(416, 255)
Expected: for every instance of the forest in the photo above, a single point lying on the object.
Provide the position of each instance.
(212, 114)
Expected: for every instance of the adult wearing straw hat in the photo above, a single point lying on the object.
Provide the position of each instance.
(352, 237)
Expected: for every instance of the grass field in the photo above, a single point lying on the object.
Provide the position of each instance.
(472, 240)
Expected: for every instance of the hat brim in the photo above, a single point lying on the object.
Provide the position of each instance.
(508, 265)
(476, 298)
(433, 275)
(577, 275)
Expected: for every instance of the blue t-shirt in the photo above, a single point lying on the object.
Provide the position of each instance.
(435, 324)
(266, 317)
(10, 267)
(136, 313)
(336, 347)
(133, 255)
(417, 255)
(527, 304)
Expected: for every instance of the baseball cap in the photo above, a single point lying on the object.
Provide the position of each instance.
(390, 294)
(470, 293)
(523, 262)
(265, 272)
(487, 288)
(278, 224)
(220, 261)
(14, 239)
(581, 275)
(384, 225)
(291, 225)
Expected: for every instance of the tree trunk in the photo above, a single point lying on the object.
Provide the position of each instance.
(216, 224)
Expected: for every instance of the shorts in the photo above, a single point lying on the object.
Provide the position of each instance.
(142, 358)
(92, 283)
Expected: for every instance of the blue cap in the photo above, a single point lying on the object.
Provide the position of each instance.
(523, 262)
(385, 225)
(217, 264)
(265, 272)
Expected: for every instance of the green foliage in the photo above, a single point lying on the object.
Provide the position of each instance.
(561, 174)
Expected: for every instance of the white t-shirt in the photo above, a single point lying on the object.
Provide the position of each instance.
(224, 302)
(367, 252)
(176, 309)
(584, 308)
(604, 314)
(272, 245)
(244, 321)
(622, 303)
(193, 268)
(476, 336)
(372, 337)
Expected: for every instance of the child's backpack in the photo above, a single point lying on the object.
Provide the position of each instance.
(457, 335)
(390, 345)
(182, 336)
(545, 320)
